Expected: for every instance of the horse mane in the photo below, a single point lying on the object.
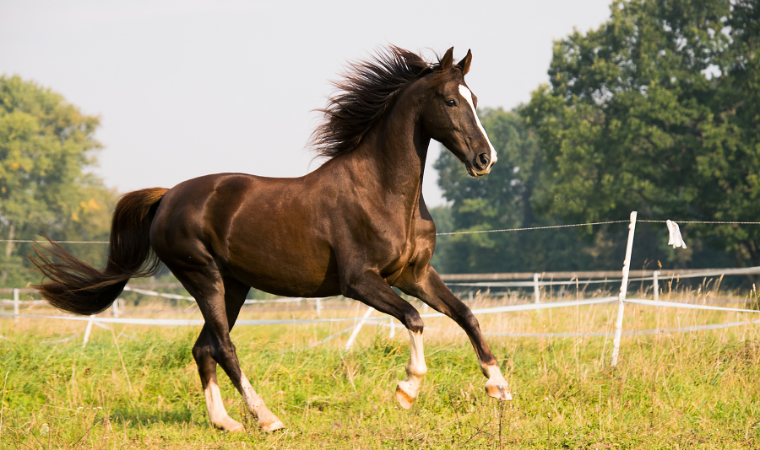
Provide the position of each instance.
(365, 93)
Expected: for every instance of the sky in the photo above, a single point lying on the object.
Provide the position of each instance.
(187, 88)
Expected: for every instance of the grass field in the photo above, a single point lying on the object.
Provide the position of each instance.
(138, 387)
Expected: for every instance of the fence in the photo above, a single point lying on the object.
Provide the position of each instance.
(536, 280)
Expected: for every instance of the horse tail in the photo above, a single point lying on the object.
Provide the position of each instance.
(78, 287)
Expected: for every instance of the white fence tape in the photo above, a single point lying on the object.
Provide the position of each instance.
(532, 306)
(479, 311)
(714, 326)
(23, 302)
(703, 274)
(686, 305)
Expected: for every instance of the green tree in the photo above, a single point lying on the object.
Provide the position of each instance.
(46, 147)
(657, 111)
(506, 199)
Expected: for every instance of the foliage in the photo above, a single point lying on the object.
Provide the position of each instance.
(508, 198)
(46, 149)
(657, 111)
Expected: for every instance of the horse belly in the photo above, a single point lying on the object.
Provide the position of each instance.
(284, 264)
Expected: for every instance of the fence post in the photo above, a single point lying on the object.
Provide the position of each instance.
(393, 329)
(319, 307)
(16, 304)
(358, 327)
(115, 308)
(623, 289)
(536, 289)
(656, 284)
(87, 331)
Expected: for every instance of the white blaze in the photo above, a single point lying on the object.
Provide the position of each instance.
(468, 96)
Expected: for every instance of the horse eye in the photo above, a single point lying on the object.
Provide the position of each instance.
(451, 103)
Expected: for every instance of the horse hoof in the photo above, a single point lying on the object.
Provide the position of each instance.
(498, 391)
(404, 398)
(272, 426)
(230, 425)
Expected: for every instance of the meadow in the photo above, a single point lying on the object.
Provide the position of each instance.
(137, 386)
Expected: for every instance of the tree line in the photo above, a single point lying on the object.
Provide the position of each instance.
(47, 147)
(657, 110)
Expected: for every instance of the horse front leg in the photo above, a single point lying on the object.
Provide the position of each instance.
(371, 289)
(429, 288)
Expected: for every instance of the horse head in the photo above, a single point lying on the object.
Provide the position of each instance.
(449, 115)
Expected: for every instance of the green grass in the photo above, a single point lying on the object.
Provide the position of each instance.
(680, 390)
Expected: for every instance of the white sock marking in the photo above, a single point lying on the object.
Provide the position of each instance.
(214, 403)
(416, 365)
(468, 96)
(267, 420)
(416, 369)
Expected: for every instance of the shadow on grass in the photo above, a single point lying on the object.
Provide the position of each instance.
(178, 416)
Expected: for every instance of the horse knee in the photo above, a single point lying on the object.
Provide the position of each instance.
(414, 322)
(471, 321)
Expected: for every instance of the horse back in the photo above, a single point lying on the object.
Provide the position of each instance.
(263, 231)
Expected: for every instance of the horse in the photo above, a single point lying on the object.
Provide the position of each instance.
(356, 226)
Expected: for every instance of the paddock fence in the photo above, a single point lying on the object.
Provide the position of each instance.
(469, 282)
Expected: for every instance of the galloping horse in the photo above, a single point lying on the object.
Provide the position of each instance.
(356, 226)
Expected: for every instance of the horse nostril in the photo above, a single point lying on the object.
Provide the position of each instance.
(482, 160)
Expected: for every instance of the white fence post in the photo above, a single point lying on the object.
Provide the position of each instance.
(15, 304)
(87, 332)
(358, 327)
(319, 307)
(623, 289)
(536, 289)
(393, 329)
(656, 284)
(115, 308)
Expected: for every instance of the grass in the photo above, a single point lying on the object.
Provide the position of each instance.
(679, 390)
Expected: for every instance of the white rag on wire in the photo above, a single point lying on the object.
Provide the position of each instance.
(675, 238)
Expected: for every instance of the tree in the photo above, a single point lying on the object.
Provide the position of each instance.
(657, 111)
(46, 147)
(506, 199)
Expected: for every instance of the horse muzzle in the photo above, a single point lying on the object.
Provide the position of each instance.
(480, 165)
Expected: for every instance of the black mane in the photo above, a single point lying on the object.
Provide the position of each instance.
(364, 95)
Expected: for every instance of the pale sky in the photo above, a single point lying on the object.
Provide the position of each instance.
(187, 88)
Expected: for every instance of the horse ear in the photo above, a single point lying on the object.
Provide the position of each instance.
(448, 59)
(464, 64)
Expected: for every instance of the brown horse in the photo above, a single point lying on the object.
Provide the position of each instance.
(356, 226)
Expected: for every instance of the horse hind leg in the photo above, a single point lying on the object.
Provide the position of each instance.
(207, 370)
(220, 304)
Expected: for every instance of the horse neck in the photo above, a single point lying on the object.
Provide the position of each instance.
(393, 153)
